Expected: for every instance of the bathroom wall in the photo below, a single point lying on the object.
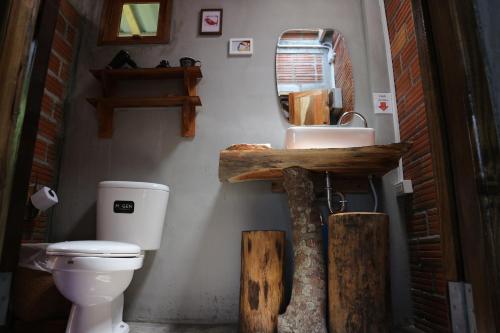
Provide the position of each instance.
(194, 277)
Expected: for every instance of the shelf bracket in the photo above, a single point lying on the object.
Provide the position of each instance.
(190, 84)
(188, 120)
(105, 115)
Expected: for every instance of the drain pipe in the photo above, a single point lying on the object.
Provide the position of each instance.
(374, 193)
(330, 195)
(329, 192)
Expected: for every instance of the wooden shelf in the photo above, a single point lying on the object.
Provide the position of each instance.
(145, 102)
(108, 77)
(268, 164)
(147, 73)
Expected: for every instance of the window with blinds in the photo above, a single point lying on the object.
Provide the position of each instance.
(299, 68)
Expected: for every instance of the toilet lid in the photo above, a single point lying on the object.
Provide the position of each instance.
(134, 185)
(94, 249)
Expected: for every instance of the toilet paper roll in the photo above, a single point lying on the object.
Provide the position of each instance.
(44, 198)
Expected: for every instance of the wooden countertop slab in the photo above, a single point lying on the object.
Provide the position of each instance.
(267, 164)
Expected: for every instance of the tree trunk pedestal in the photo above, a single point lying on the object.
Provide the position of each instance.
(261, 284)
(358, 288)
(306, 312)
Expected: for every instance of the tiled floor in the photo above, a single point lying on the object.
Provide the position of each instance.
(173, 328)
(170, 328)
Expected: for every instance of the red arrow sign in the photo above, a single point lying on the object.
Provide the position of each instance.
(383, 106)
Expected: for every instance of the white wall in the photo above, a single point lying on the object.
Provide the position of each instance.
(194, 277)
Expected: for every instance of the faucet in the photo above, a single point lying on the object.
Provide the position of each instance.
(345, 114)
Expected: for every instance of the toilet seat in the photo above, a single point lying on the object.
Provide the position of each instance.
(94, 264)
(97, 256)
(94, 248)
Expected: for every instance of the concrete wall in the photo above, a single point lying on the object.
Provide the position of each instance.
(194, 277)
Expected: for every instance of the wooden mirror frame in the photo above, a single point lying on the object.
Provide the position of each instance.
(110, 24)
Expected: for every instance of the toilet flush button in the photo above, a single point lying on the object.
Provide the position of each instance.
(123, 207)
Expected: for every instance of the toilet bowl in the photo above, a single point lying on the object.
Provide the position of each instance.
(94, 274)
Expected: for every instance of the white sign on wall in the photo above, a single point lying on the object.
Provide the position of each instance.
(383, 103)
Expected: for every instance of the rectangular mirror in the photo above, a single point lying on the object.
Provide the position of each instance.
(135, 22)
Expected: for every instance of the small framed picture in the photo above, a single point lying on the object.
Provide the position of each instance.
(241, 46)
(211, 22)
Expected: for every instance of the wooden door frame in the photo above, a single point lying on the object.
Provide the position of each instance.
(46, 24)
(4, 10)
(465, 148)
(45, 15)
(18, 28)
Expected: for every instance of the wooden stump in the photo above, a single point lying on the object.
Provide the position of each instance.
(358, 291)
(261, 285)
(306, 312)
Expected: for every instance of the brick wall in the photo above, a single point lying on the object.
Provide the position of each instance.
(343, 72)
(50, 127)
(428, 287)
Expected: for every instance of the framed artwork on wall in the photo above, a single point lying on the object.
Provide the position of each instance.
(211, 22)
(241, 46)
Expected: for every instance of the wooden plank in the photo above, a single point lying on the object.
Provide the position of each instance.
(249, 165)
(439, 148)
(105, 110)
(261, 281)
(106, 104)
(105, 116)
(188, 118)
(13, 234)
(309, 107)
(190, 82)
(108, 85)
(145, 102)
(147, 73)
(340, 183)
(346, 184)
(474, 152)
(358, 272)
(4, 18)
(18, 29)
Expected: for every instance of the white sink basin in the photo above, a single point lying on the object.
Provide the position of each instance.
(308, 137)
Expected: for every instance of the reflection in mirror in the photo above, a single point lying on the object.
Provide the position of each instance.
(314, 76)
(139, 19)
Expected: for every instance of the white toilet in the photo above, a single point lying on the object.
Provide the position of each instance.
(94, 274)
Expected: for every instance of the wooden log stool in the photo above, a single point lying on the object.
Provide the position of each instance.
(358, 289)
(261, 284)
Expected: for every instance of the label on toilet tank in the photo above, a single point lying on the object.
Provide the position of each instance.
(123, 207)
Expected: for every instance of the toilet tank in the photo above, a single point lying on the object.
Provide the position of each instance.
(131, 212)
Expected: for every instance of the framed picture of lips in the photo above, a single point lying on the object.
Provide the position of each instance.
(211, 22)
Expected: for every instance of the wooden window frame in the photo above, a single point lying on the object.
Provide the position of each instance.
(110, 24)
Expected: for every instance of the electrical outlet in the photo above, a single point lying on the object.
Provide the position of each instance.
(403, 187)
